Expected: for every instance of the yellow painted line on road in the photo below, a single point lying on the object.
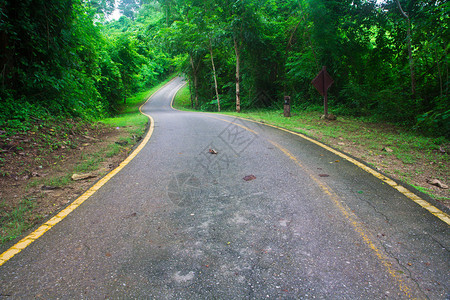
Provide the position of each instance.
(346, 212)
(423, 203)
(234, 123)
(26, 241)
(353, 219)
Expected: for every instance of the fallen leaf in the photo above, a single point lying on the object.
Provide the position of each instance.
(437, 183)
(77, 177)
(90, 138)
(131, 215)
(249, 177)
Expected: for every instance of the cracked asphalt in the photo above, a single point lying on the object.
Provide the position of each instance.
(271, 215)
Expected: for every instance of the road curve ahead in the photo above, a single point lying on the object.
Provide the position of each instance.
(215, 207)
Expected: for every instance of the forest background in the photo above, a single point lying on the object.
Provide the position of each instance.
(69, 59)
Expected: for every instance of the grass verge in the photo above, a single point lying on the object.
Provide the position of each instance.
(129, 114)
(15, 220)
(182, 99)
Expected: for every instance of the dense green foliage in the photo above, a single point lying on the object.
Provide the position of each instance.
(280, 46)
(389, 59)
(62, 58)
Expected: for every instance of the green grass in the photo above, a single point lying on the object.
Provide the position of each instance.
(182, 100)
(59, 181)
(89, 162)
(113, 150)
(404, 143)
(16, 221)
(126, 119)
(129, 112)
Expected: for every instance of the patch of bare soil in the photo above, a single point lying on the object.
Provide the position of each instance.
(30, 169)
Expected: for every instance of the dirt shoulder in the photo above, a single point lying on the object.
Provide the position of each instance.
(36, 179)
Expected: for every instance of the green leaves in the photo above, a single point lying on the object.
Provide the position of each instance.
(58, 59)
(58, 54)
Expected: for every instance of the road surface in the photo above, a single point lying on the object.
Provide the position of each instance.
(270, 215)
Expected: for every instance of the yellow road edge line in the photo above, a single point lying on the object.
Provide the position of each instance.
(418, 200)
(347, 213)
(231, 122)
(26, 241)
(353, 219)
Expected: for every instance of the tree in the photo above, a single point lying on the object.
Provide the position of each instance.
(408, 39)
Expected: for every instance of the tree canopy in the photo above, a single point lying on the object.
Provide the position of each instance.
(389, 59)
(62, 57)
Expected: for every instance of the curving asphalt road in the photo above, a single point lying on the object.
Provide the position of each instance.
(271, 215)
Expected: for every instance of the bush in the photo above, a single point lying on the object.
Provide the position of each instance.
(15, 113)
(434, 123)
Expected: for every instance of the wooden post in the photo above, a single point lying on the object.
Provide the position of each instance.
(287, 106)
(325, 94)
(322, 83)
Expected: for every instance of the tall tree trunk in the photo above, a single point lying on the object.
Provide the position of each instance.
(190, 94)
(411, 60)
(238, 97)
(194, 72)
(4, 57)
(167, 13)
(214, 73)
(441, 90)
(446, 69)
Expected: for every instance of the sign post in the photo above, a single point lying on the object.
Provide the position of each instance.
(322, 83)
